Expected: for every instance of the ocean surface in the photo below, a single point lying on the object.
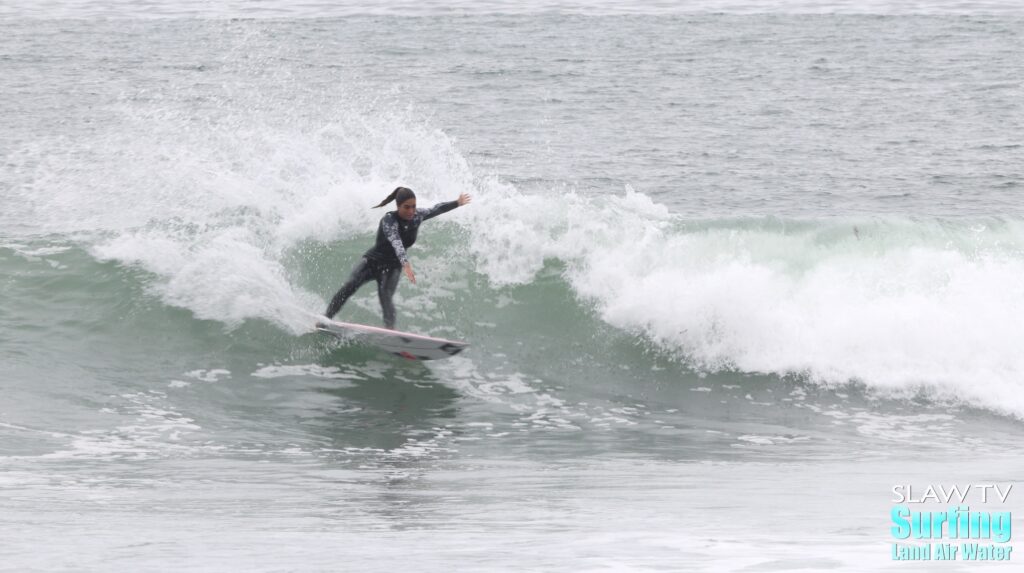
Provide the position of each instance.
(732, 270)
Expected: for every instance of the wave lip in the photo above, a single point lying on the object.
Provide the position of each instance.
(899, 307)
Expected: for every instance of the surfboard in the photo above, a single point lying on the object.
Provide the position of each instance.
(404, 344)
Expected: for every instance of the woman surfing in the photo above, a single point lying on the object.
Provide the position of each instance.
(385, 261)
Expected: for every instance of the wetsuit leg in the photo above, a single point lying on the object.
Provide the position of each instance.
(362, 274)
(387, 283)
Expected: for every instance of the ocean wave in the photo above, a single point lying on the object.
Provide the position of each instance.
(246, 219)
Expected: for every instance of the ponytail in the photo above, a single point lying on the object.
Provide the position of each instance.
(400, 194)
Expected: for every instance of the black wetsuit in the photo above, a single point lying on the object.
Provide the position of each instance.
(384, 261)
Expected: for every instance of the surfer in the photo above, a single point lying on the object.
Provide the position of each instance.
(385, 261)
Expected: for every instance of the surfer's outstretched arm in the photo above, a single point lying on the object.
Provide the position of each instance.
(441, 208)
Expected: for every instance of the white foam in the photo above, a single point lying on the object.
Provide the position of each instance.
(315, 370)
(156, 430)
(212, 207)
(898, 305)
(895, 317)
(212, 375)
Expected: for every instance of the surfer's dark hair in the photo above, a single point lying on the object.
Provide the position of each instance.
(399, 195)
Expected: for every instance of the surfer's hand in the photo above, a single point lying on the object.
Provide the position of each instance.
(409, 273)
(464, 198)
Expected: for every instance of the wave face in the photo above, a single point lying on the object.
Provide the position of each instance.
(267, 227)
(244, 205)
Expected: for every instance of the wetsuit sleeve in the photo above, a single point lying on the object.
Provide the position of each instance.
(437, 209)
(390, 226)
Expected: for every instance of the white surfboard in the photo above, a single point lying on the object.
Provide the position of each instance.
(404, 344)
